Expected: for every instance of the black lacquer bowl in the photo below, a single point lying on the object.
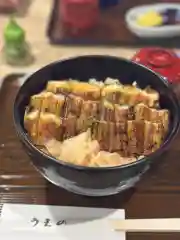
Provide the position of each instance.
(87, 180)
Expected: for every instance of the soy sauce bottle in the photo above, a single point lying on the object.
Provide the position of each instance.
(16, 50)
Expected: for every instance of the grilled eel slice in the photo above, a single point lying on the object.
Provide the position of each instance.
(130, 95)
(83, 89)
(48, 102)
(142, 112)
(45, 126)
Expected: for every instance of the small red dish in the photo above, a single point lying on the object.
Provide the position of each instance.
(163, 61)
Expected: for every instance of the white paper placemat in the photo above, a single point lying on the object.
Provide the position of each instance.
(55, 222)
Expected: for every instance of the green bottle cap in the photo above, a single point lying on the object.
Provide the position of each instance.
(13, 33)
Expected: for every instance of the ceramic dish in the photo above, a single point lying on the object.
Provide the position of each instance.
(151, 32)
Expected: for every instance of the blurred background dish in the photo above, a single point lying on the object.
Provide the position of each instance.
(163, 61)
(154, 21)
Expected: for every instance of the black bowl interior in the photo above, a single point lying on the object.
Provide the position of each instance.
(99, 67)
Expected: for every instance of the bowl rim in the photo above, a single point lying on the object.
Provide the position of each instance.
(27, 141)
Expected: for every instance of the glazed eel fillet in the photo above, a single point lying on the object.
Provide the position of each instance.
(122, 118)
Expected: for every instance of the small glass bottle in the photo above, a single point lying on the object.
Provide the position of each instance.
(16, 50)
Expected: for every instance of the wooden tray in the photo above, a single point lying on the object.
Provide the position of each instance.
(156, 195)
(111, 29)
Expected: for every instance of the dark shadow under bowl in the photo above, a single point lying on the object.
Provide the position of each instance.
(85, 180)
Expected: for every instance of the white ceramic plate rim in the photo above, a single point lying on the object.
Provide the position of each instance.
(133, 12)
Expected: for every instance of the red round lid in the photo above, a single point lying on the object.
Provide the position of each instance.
(161, 58)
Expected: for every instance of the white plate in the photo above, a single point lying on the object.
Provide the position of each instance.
(151, 32)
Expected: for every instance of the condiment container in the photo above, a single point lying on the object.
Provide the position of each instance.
(163, 61)
(79, 15)
(16, 50)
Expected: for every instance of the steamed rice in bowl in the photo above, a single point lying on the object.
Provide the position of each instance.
(96, 124)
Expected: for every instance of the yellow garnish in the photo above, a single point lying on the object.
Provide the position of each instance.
(150, 19)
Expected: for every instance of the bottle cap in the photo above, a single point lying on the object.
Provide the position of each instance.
(13, 33)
